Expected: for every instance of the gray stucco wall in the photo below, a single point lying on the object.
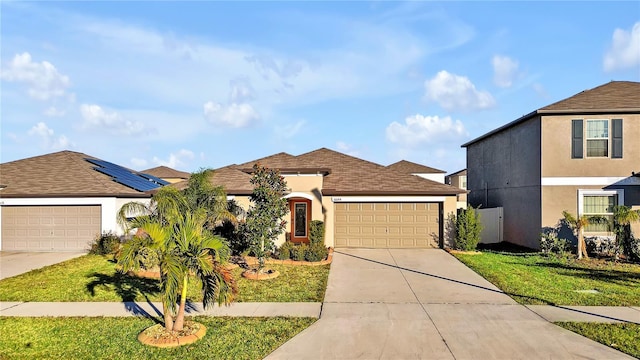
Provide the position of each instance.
(503, 170)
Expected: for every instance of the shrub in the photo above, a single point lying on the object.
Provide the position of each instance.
(468, 228)
(106, 243)
(316, 252)
(299, 252)
(285, 250)
(236, 236)
(602, 245)
(316, 232)
(551, 244)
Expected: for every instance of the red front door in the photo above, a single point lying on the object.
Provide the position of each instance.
(300, 218)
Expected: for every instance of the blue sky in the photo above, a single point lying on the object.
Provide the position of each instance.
(207, 84)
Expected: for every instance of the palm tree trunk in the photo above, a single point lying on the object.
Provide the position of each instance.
(179, 324)
(582, 245)
(168, 318)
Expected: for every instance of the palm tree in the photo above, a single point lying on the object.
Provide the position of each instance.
(201, 193)
(184, 249)
(623, 216)
(578, 223)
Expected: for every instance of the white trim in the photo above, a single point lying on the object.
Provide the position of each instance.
(300, 195)
(578, 180)
(583, 192)
(338, 199)
(298, 174)
(230, 197)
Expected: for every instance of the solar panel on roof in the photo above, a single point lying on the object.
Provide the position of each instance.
(154, 179)
(125, 177)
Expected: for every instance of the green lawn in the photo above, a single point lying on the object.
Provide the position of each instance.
(116, 338)
(624, 337)
(93, 278)
(537, 279)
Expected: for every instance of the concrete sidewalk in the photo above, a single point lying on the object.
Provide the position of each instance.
(248, 309)
(413, 304)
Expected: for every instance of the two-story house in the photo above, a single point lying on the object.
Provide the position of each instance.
(580, 154)
(459, 180)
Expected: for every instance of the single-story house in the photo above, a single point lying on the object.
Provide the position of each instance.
(61, 201)
(362, 204)
(578, 154)
(167, 174)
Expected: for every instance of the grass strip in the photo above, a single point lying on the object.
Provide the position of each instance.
(116, 338)
(621, 336)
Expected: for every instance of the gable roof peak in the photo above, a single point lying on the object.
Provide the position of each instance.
(414, 168)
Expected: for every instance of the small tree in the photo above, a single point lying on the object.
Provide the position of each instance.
(468, 229)
(265, 218)
(578, 224)
(623, 216)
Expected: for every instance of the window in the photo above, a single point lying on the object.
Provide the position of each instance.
(597, 138)
(463, 181)
(598, 202)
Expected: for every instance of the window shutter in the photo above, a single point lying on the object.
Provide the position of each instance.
(576, 139)
(616, 139)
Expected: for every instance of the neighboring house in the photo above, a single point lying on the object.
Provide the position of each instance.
(362, 204)
(62, 201)
(459, 180)
(579, 154)
(426, 172)
(168, 174)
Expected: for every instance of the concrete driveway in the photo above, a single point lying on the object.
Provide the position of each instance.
(416, 304)
(14, 263)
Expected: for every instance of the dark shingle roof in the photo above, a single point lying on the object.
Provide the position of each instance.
(166, 172)
(409, 167)
(60, 174)
(614, 97)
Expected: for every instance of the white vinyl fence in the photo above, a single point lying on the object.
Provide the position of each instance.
(491, 225)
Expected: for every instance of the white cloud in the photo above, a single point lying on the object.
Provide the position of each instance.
(138, 163)
(176, 160)
(43, 79)
(95, 117)
(54, 112)
(233, 115)
(288, 131)
(348, 149)
(624, 52)
(418, 129)
(505, 70)
(454, 92)
(48, 137)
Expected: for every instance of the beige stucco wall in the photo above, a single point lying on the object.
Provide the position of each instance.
(556, 148)
(504, 171)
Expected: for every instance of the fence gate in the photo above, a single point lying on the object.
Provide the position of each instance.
(491, 220)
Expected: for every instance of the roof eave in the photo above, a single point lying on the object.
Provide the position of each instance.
(331, 192)
(26, 196)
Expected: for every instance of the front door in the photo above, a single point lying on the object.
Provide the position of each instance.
(300, 218)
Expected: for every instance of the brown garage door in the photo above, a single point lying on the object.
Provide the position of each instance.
(49, 228)
(387, 225)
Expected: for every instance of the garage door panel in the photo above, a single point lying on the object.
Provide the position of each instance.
(387, 225)
(49, 228)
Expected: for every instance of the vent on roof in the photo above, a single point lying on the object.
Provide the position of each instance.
(139, 182)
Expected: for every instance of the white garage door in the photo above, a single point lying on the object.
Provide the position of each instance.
(49, 228)
(387, 225)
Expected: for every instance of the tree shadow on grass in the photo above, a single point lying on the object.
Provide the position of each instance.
(129, 288)
(625, 278)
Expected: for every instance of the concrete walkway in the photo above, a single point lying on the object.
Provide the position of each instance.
(402, 304)
(34, 309)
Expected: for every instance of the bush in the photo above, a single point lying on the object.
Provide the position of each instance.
(316, 232)
(106, 243)
(236, 236)
(468, 228)
(316, 252)
(551, 244)
(602, 245)
(285, 250)
(299, 252)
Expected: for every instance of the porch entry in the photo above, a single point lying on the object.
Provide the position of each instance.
(300, 217)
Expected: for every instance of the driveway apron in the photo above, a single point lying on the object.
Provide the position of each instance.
(14, 263)
(425, 304)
